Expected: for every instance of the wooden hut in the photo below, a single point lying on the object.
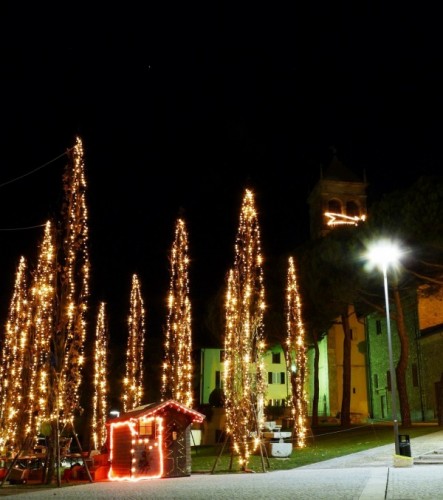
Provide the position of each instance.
(151, 441)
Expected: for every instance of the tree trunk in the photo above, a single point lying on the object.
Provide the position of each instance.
(314, 418)
(51, 458)
(345, 416)
(402, 364)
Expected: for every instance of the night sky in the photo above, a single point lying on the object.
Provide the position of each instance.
(182, 106)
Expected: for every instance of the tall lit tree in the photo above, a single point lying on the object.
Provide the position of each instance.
(41, 328)
(28, 335)
(53, 343)
(58, 319)
(296, 355)
(100, 398)
(73, 287)
(13, 384)
(244, 371)
(177, 365)
(133, 382)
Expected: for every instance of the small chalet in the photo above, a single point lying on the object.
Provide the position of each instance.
(151, 441)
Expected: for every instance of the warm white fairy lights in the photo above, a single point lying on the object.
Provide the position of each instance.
(133, 381)
(335, 219)
(29, 330)
(244, 372)
(41, 329)
(177, 364)
(13, 383)
(100, 403)
(71, 331)
(45, 332)
(296, 356)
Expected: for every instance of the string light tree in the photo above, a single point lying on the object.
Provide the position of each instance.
(101, 388)
(56, 317)
(133, 381)
(13, 384)
(296, 356)
(73, 276)
(244, 370)
(177, 365)
(37, 402)
(33, 361)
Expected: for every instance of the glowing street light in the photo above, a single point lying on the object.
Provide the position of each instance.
(384, 254)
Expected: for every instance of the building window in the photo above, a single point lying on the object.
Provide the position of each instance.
(222, 355)
(388, 380)
(217, 379)
(351, 334)
(334, 206)
(146, 427)
(375, 380)
(276, 402)
(352, 209)
(276, 358)
(276, 378)
(378, 327)
(414, 375)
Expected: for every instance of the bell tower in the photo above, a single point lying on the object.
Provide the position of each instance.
(338, 198)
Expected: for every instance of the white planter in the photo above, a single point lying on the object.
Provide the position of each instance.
(279, 450)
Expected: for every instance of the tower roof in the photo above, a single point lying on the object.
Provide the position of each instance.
(337, 171)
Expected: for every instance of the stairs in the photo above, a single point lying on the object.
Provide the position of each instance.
(433, 457)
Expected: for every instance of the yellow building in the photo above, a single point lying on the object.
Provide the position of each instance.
(211, 378)
(331, 373)
(211, 375)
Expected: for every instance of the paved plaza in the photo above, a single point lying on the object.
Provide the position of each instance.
(367, 475)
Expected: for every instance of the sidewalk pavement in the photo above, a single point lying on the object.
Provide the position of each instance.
(367, 475)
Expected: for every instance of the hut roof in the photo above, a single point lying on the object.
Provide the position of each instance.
(153, 409)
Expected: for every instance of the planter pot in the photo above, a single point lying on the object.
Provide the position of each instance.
(279, 450)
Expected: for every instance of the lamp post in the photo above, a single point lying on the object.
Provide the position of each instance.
(384, 254)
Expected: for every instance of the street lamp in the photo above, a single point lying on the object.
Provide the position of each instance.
(384, 254)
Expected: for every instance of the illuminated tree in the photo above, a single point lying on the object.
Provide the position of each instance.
(73, 287)
(296, 355)
(53, 339)
(133, 382)
(177, 365)
(100, 403)
(41, 328)
(244, 372)
(13, 384)
(31, 318)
